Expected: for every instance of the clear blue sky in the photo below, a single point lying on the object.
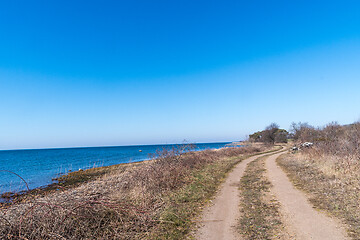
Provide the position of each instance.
(95, 73)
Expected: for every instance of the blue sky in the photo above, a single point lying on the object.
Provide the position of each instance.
(95, 73)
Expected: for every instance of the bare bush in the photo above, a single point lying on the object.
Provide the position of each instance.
(124, 204)
(304, 132)
(337, 140)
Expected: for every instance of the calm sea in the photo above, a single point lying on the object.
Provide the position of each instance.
(39, 167)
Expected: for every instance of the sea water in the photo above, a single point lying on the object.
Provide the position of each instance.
(39, 167)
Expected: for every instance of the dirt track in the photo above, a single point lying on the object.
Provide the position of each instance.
(220, 218)
(299, 215)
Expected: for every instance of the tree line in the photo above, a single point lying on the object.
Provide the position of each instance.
(272, 134)
(331, 134)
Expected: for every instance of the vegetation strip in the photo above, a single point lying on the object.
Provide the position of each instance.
(260, 214)
(154, 200)
(184, 205)
(328, 192)
(64, 182)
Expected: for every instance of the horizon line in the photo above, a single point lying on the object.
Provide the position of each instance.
(112, 146)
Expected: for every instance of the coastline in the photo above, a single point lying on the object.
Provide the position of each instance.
(139, 200)
(64, 182)
(40, 167)
(73, 179)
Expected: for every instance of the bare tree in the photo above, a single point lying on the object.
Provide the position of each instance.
(303, 132)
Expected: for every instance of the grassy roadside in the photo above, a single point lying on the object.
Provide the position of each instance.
(154, 200)
(75, 179)
(335, 193)
(184, 205)
(260, 214)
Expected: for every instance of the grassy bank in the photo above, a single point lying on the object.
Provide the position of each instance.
(329, 171)
(328, 184)
(64, 182)
(260, 214)
(152, 200)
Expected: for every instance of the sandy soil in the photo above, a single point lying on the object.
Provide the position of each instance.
(300, 218)
(299, 215)
(219, 219)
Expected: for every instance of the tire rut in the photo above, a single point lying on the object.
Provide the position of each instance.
(221, 217)
(299, 214)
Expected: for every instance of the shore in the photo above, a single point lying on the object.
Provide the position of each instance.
(141, 195)
(73, 178)
(39, 166)
(63, 182)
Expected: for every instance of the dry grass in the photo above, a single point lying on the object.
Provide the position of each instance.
(330, 171)
(152, 200)
(332, 184)
(260, 214)
(64, 182)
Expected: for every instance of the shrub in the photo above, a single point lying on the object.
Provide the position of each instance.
(272, 134)
(124, 204)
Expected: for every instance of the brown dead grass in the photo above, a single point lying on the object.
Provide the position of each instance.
(260, 214)
(329, 171)
(152, 200)
(332, 183)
